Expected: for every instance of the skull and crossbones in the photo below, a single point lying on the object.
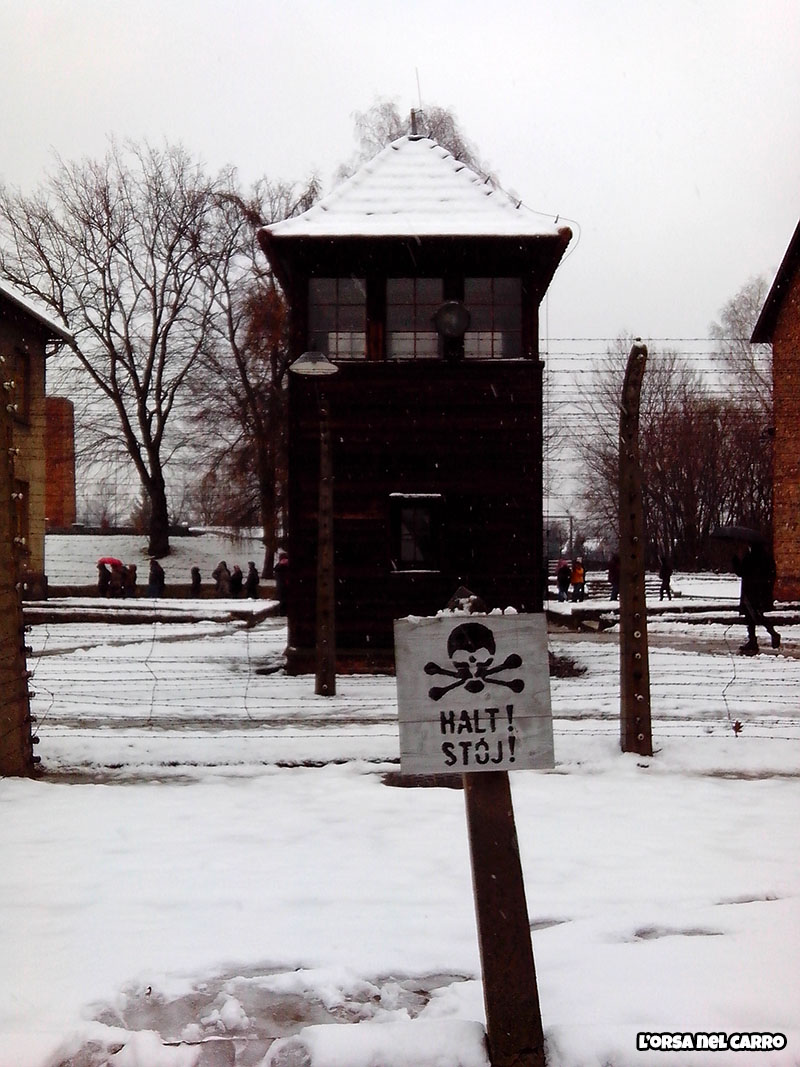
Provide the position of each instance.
(471, 648)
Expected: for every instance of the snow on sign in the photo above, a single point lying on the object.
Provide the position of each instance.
(473, 694)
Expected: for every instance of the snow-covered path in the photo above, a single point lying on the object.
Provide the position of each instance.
(215, 853)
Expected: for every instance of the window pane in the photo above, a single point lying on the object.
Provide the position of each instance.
(399, 290)
(477, 291)
(427, 345)
(337, 314)
(400, 317)
(322, 317)
(322, 290)
(352, 291)
(351, 317)
(507, 291)
(429, 291)
(411, 304)
(495, 306)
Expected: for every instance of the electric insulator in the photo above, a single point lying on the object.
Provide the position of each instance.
(35, 740)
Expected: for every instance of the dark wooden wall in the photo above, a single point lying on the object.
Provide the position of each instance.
(470, 431)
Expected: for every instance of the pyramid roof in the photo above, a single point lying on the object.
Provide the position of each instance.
(414, 187)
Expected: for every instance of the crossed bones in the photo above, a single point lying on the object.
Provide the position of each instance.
(471, 648)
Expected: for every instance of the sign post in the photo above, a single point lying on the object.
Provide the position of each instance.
(473, 698)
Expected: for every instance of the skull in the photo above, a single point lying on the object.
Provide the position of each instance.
(471, 648)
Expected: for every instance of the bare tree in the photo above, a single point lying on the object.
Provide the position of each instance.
(702, 463)
(746, 367)
(119, 250)
(383, 122)
(239, 396)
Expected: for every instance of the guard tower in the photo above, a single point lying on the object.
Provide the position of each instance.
(422, 283)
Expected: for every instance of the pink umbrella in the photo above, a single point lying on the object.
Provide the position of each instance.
(111, 561)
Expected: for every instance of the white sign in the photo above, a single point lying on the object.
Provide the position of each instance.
(473, 694)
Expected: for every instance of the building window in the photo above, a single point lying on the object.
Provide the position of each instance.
(337, 317)
(411, 304)
(415, 522)
(495, 308)
(21, 396)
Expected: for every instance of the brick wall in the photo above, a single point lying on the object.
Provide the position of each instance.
(60, 463)
(786, 471)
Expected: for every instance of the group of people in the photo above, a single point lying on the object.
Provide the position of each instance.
(116, 579)
(229, 583)
(571, 574)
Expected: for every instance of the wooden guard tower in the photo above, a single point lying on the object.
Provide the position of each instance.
(422, 283)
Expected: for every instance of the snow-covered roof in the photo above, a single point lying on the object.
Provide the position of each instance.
(15, 297)
(414, 187)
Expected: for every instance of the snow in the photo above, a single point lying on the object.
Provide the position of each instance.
(414, 187)
(216, 867)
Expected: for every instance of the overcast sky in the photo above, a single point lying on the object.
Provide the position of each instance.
(667, 133)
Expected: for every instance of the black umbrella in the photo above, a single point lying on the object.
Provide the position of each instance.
(738, 533)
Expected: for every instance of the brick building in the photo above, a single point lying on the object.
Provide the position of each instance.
(25, 333)
(779, 325)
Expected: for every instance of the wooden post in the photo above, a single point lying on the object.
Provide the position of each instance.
(326, 590)
(635, 721)
(16, 751)
(510, 992)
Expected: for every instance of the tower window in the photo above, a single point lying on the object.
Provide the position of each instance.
(337, 317)
(495, 307)
(411, 304)
(415, 523)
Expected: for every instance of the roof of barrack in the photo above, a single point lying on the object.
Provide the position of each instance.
(25, 304)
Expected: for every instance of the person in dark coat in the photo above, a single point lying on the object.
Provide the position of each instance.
(197, 579)
(251, 581)
(129, 580)
(757, 571)
(563, 578)
(281, 575)
(237, 581)
(665, 574)
(117, 580)
(103, 579)
(156, 581)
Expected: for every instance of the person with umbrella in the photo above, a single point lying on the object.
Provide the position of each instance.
(756, 568)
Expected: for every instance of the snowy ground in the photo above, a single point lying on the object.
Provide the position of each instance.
(215, 860)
